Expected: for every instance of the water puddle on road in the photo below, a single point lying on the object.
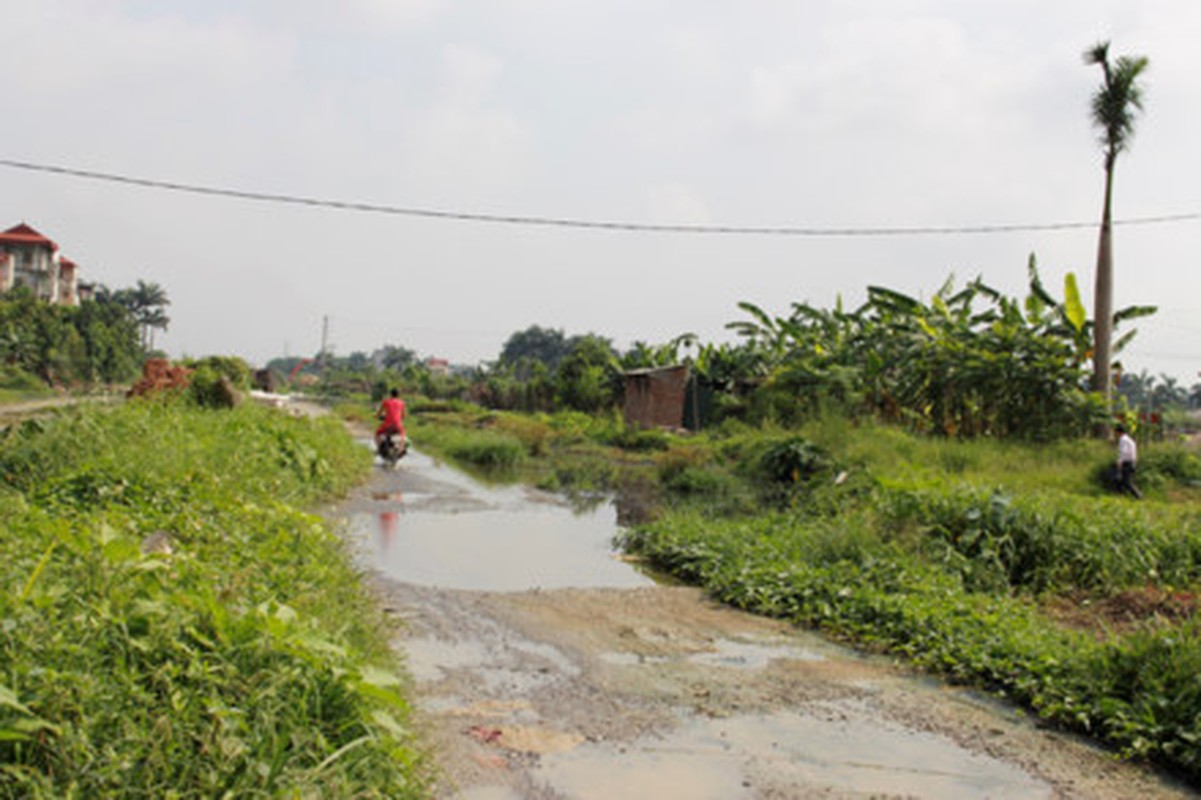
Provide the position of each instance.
(447, 530)
(774, 755)
(727, 653)
(523, 710)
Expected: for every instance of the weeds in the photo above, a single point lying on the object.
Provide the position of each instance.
(236, 656)
(916, 553)
(945, 552)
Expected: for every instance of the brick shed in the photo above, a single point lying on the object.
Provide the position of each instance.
(655, 398)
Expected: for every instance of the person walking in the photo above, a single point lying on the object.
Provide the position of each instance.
(1127, 462)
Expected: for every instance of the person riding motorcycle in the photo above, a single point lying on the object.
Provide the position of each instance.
(392, 413)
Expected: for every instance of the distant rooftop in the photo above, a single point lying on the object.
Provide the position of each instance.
(24, 234)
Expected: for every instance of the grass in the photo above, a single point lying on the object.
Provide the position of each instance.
(953, 553)
(246, 662)
(1003, 565)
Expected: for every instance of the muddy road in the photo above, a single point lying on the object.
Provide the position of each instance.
(545, 666)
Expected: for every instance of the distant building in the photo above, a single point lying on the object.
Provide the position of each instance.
(438, 366)
(27, 258)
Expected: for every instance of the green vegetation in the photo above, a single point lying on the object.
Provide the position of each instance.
(216, 380)
(998, 565)
(968, 363)
(60, 345)
(1001, 564)
(17, 385)
(911, 475)
(171, 625)
(146, 303)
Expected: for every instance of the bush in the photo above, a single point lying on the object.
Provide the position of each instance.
(485, 448)
(217, 381)
(793, 460)
(1049, 542)
(18, 380)
(1170, 465)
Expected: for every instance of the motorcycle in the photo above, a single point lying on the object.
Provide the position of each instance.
(392, 449)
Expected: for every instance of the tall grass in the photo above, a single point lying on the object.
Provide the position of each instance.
(245, 662)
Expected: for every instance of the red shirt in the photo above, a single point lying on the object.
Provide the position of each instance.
(394, 414)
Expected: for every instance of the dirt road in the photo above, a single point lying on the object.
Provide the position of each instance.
(18, 411)
(545, 667)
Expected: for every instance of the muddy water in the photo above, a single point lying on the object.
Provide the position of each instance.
(435, 526)
(545, 666)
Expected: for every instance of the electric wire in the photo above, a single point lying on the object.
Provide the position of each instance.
(585, 224)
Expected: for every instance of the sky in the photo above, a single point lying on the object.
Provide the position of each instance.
(855, 114)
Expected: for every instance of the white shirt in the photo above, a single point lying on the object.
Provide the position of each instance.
(1127, 450)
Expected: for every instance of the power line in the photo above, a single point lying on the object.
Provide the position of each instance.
(567, 222)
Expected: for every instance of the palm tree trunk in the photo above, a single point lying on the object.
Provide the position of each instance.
(1103, 301)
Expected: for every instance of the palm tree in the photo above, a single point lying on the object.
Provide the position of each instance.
(1113, 111)
(146, 303)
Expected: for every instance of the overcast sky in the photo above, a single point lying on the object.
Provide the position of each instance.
(850, 114)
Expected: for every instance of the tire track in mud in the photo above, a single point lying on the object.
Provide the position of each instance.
(542, 673)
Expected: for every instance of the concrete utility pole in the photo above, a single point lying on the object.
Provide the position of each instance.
(324, 338)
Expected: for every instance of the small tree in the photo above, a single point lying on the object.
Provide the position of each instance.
(146, 302)
(1114, 107)
(535, 343)
(588, 378)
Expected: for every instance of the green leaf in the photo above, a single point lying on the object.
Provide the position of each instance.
(1036, 284)
(375, 676)
(8, 699)
(1134, 312)
(1073, 309)
(940, 305)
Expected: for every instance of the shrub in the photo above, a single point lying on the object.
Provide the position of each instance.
(533, 434)
(217, 381)
(1174, 464)
(793, 460)
(18, 380)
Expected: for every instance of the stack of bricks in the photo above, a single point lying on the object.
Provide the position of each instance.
(159, 376)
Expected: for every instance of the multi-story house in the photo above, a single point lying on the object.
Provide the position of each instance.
(27, 258)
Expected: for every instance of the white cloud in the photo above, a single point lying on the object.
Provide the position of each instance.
(464, 140)
(676, 203)
(812, 112)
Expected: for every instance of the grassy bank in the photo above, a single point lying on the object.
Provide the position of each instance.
(246, 661)
(1001, 565)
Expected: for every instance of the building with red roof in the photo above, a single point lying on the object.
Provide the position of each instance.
(27, 258)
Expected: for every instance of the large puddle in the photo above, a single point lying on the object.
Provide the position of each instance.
(447, 530)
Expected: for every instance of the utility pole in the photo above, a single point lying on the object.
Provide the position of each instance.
(321, 355)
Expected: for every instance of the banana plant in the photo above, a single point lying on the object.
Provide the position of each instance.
(1069, 319)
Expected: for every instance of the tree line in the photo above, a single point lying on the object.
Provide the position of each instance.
(967, 362)
(101, 341)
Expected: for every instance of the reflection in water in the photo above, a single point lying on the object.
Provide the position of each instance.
(387, 529)
(458, 533)
(540, 546)
(637, 499)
